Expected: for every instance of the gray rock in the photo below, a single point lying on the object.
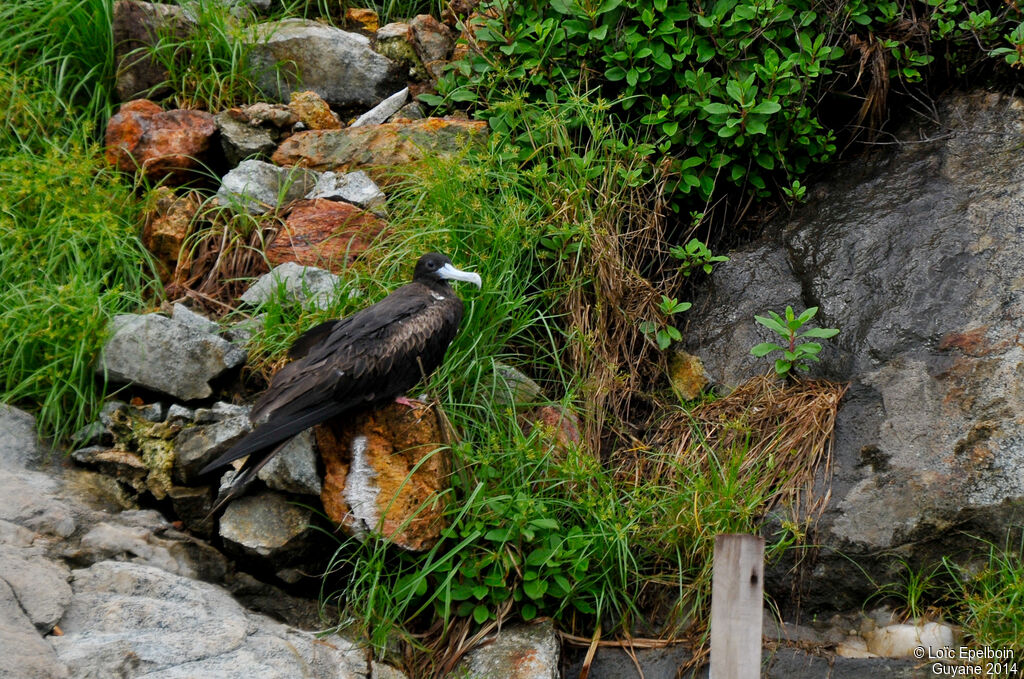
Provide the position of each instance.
(19, 446)
(265, 524)
(293, 469)
(241, 141)
(917, 257)
(180, 413)
(411, 111)
(197, 446)
(95, 434)
(297, 283)
(351, 187)
(26, 654)
(39, 584)
(384, 110)
(516, 652)
(381, 671)
(222, 409)
(241, 332)
(127, 619)
(339, 66)
(183, 314)
(256, 186)
(159, 353)
(153, 412)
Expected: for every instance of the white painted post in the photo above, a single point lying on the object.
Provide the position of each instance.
(737, 602)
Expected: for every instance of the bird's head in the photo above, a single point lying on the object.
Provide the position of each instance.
(434, 266)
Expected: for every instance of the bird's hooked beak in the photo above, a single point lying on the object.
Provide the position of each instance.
(450, 273)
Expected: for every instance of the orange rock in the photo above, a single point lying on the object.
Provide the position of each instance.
(385, 471)
(376, 147)
(362, 20)
(324, 233)
(167, 226)
(313, 111)
(161, 144)
(686, 374)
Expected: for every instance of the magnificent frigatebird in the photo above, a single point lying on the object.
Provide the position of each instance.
(371, 357)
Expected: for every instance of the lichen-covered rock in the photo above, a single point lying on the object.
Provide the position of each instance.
(256, 186)
(312, 111)
(686, 374)
(395, 41)
(162, 145)
(324, 233)
(339, 66)
(385, 471)
(376, 147)
(161, 354)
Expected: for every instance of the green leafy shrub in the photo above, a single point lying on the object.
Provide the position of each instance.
(730, 89)
(797, 351)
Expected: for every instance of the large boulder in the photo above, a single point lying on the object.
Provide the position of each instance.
(916, 256)
(131, 620)
(166, 355)
(337, 65)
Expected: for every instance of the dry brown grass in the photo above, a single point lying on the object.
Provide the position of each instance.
(785, 429)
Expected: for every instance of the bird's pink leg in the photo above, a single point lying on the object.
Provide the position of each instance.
(407, 402)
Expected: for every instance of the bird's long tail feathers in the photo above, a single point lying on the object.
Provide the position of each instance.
(273, 432)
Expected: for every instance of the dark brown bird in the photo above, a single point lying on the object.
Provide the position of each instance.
(371, 357)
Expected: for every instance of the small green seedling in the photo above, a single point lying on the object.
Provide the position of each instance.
(666, 334)
(797, 352)
(695, 255)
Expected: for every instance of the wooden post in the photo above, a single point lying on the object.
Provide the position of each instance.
(737, 600)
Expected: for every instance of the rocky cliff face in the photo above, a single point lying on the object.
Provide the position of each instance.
(917, 255)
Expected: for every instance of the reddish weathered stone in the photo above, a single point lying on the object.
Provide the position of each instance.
(376, 147)
(161, 144)
(385, 472)
(313, 111)
(167, 226)
(433, 43)
(324, 233)
(560, 427)
(137, 27)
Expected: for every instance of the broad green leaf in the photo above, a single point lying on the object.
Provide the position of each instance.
(821, 333)
(481, 614)
(763, 349)
(773, 324)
